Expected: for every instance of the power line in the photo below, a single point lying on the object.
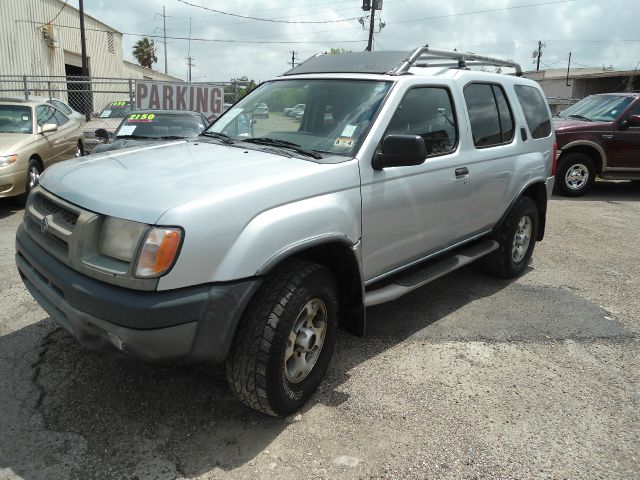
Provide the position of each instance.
(59, 12)
(247, 17)
(206, 39)
(515, 7)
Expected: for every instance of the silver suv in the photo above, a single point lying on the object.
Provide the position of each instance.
(253, 246)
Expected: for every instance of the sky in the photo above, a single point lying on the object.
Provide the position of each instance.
(598, 33)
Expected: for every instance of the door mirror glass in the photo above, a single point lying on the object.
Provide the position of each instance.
(634, 121)
(102, 134)
(48, 127)
(400, 151)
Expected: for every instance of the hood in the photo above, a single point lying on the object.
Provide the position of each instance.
(11, 143)
(119, 144)
(110, 124)
(141, 184)
(566, 125)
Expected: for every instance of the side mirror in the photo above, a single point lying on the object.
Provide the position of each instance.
(634, 121)
(48, 127)
(400, 151)
(102, 133)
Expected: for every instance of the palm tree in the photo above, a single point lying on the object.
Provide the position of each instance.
(144, 51)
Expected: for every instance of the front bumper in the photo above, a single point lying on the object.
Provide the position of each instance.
(13, 183)
(187, 325)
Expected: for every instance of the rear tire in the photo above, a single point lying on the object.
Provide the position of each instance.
(517, 239)
(80, 149)
(285, 339)
(576, 173)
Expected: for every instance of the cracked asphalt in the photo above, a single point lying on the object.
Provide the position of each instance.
(468, 377)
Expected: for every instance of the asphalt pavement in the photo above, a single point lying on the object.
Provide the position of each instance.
(468, 377)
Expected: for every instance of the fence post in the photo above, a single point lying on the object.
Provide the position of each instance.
(131, 92)
(26, 89)
(49, 88)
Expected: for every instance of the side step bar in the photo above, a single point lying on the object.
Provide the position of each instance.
(417, 279)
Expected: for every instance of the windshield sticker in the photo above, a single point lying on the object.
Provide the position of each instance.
(25, 118)
(344, 143)
(126, 130)
(105, 114)
(141, 118)
(348, 130)
(118, 104)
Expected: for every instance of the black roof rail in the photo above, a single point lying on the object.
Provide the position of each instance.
(433, 57)
(396, 62)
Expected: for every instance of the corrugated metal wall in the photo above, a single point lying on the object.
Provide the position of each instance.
(24, 50)
(590, 86)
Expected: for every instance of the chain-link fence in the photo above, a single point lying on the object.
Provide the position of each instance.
(558, 104)
(91, 95)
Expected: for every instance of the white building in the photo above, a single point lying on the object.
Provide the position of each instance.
(33, 43)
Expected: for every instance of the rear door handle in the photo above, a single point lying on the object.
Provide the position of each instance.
(461, 172)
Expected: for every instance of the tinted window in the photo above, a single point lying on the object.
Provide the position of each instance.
(427, 112)
(61, 106)
(535, 110)
(506, 119)
(60, 118)
(489, 114)
(45, 114)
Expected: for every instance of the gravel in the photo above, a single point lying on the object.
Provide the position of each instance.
(469, 377)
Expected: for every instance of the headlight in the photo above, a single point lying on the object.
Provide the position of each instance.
(120, 238)
(7, 160)
(159, 251)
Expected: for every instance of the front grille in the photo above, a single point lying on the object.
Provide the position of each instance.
(47, 207)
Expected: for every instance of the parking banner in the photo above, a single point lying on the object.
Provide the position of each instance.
(206, 99)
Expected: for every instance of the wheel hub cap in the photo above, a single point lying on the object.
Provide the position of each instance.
(34, 175)
(521, 239)
(577, 176)
(305, 340)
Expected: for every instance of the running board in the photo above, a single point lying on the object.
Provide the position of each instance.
(433, 271)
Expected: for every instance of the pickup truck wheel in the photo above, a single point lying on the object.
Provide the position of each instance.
(517, 239)
(285, 339)
(575, 174)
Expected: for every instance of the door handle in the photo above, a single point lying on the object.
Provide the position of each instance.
(462, 172)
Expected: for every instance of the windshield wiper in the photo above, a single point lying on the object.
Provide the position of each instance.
(580, 117)
(218, 136)
(272, 142)
(131, 137)
(170, 137)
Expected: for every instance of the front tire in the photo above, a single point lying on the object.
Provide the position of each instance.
(575, 175)
(285, 339)
(34, 170)
(516, 239)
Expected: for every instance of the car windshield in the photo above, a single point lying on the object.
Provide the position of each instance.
(597, 108)
(15, 119)
(161, 125)
(115, 110)
(334, 117)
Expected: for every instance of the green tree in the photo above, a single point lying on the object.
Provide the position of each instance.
(337, 51)
(239, 88)
(144, 52)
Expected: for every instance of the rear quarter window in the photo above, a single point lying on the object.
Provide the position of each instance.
(535, 110)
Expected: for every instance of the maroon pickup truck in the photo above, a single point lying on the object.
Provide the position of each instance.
(598, 136)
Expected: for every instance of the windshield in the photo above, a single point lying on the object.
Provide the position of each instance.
(333, 117)
(116, 110)
(161, 125)
(15, 119)
(597, 108)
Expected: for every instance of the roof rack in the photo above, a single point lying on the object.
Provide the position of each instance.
(431, 57)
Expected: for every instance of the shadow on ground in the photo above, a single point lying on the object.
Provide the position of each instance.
(608, 191)
(186, 419)
(8, 207)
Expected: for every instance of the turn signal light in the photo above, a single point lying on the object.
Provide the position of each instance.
(159, 252)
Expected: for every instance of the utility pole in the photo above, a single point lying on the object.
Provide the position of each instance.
(189, 58)
(568, 66)
(164, 31)
(293, 59)
(540, 46)
(371, 25)
(83, 43)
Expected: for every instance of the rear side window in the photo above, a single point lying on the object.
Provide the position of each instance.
(60, 118)
(489, 113)
(535, 110)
